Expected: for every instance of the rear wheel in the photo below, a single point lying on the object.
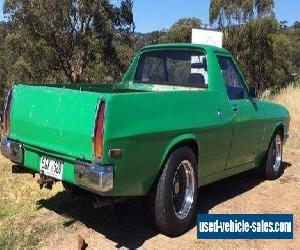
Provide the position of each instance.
(175, 197)
(272, 168)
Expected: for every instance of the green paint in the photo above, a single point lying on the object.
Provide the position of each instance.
(146, 121)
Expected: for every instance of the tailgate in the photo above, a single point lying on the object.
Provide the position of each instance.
(56, 119)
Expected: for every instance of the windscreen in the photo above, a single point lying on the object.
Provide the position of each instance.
(173, 67)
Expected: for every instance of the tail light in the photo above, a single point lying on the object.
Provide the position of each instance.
(98, 130)
(6, 116)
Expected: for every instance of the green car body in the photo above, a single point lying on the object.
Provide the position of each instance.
(145, 122)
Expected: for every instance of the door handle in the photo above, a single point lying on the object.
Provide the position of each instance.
(235, 108)
(219, 113)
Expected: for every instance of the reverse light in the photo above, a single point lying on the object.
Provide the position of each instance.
(6, 115)
(98, 130)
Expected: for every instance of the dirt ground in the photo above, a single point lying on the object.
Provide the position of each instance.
(48, 220)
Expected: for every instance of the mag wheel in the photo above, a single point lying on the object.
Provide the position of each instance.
(175, 196)
(183, 189)
(273, 165)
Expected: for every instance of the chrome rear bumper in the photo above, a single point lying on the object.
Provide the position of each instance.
(12, 150)
(93, 177)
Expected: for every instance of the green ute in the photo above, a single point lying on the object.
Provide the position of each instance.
(182, 117)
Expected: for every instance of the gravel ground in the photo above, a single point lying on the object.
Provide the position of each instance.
(127, 225)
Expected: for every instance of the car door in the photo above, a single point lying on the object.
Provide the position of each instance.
(247, 122)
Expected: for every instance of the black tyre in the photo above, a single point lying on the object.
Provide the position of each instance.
(174, 198)
(272, 167)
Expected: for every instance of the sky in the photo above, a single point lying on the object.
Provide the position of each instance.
(150, 15)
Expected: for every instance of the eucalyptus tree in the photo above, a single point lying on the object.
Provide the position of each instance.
(227, 13)
(83, 34)
(180, 31)
(295, 36)
(251, 32)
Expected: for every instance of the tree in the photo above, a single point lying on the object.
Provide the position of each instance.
(153, 37)
(252, 44)
(180, 32)
(3, 65)
(229, 13)
(282, 46)
(24, 60)
(83, 34)
(254, 36)
(295, 36)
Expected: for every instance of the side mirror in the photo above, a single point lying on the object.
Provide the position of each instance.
(252, 93)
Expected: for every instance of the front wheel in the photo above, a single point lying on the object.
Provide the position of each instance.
(175, 196)
(272, 167)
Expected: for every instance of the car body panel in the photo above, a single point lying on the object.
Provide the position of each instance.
(56, 120)
(248, 132)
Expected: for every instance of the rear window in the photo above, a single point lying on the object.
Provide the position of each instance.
(173, 67)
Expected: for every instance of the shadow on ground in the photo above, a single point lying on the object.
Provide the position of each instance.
(129, 224)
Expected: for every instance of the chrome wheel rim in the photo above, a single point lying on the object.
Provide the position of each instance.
(277, 153)
(183, 189)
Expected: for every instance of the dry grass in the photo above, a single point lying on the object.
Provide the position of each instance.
(19, 227)
(290, 98)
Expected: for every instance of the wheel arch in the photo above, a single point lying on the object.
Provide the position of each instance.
(266, 170)
(188, 140)
(279, 126)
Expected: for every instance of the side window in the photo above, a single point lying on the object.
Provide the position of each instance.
(235, 85)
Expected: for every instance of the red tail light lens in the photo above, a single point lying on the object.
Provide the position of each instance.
(98, 130)
(6, 117)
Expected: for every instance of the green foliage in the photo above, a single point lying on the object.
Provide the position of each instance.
(295, 38)
(262, 51)
(282, 58)
(232, 12)
(142, 40)
(75, 32)
(180, 32)
(261, 45)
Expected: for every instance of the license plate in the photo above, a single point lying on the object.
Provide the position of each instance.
(51, 167)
